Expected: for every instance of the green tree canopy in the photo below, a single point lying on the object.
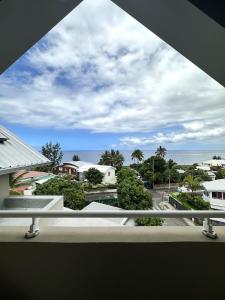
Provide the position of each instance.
(74, 197)
(54, 153)
(216, 157)
(137, 155)
(220, 174)
(112, 158)
(94, 176)
(192, 183)
(76, 157)
(161, 152)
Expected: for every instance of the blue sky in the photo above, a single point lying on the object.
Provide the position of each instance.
(99, 81)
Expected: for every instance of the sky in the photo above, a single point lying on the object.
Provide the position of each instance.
(100, 80)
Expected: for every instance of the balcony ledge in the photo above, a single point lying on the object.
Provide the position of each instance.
(154, 234)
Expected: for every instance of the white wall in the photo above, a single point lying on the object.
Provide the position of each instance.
(109, 176)
(4, 186)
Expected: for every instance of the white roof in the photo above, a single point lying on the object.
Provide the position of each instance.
(215, 162)
(78, 163)
(90, 222)
(215, 185)
(204, 168)
(101, 168)
(180, 171)
(16, 155)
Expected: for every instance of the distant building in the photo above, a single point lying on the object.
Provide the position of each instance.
(214, 163)
(78, 169)
(214, 192)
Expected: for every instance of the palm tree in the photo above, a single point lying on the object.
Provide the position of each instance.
(137, 155)
(15, 180)
(112, 158)
(192, 182)
(170, 164)
(161, 151)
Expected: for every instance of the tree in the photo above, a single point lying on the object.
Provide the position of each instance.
(161, 152)
(192, 183)
(216, 157)
(137, 155)
(76, 157)
(170, 165)
(74, 198)
(54, 153)
(112, 158)
(94, 176)
(73, 192)
(220, 174)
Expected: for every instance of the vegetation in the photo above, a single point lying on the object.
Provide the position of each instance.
(153, 221)
(192, 201)
(137, 156)
(15, 180)
(73, 192)
(112, 158)
(94, 176)
(161, 152)
(76, 157)
(220, 174)
(216, 157)
(54, 153)
(192, 183)
(131, 191)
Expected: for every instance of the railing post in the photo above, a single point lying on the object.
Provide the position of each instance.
(34, 229)
(208, 229)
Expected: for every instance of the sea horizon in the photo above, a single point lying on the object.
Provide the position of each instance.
(185, 157)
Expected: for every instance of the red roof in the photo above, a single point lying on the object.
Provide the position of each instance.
(30, 174)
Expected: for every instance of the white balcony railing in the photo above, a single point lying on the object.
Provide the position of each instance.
(35, 215)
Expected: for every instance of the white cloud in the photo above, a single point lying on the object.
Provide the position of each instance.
(105, 72)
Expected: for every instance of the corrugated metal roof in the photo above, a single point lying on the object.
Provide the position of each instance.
(15, 154)
(215, 185)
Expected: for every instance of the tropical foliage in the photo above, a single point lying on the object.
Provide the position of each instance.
(94, 176)
(131, 191)
(153, 221)
(112, 158)
(192, 183)
(137, 156)
(54, 153)
(161, 151)
(73, 192)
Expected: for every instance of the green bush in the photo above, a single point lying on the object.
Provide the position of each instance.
(15, 193)
(193, 201)
(153, 221)
(94, 176)
(74, 198)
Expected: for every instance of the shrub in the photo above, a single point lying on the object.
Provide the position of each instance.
(193, 201)
(94, 176)
(74, 198)
(153, 221)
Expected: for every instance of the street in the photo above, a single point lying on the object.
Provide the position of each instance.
(157, 199)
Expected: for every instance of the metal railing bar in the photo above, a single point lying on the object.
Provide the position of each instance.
(112, 214)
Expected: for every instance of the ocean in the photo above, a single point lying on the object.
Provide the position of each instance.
(185, 157)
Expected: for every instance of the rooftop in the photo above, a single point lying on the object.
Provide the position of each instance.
(215, 185)
(16, 155)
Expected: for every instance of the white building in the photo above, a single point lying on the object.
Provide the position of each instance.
(109, 175)
(214, 163)
(214, 192)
